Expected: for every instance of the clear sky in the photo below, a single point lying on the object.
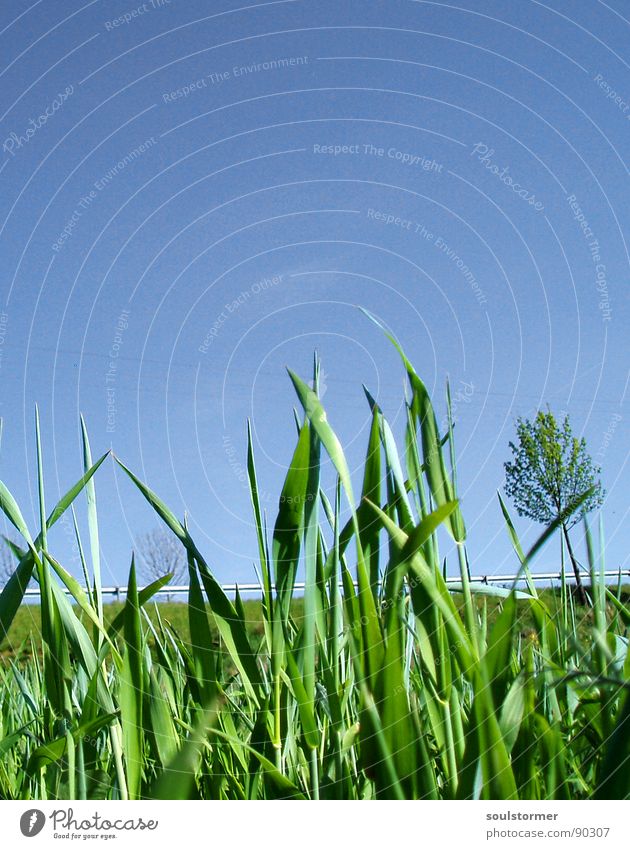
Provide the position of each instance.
(196, 195)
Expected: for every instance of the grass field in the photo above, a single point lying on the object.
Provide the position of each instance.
(380, 682)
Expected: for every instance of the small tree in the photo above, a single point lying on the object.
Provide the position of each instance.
(549, 472)
(161, 552)
(8, 563)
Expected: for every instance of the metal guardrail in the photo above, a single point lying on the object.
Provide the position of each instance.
(182, 589)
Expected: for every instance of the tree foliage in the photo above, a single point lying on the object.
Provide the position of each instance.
(550, 469)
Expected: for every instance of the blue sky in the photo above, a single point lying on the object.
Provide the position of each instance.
(196, 195)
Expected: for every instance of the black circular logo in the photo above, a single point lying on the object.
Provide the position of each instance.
(32, 822)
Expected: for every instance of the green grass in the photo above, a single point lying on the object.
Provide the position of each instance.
(25, 634)
(398, 686)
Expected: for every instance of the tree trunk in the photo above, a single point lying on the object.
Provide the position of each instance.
(581, 594)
